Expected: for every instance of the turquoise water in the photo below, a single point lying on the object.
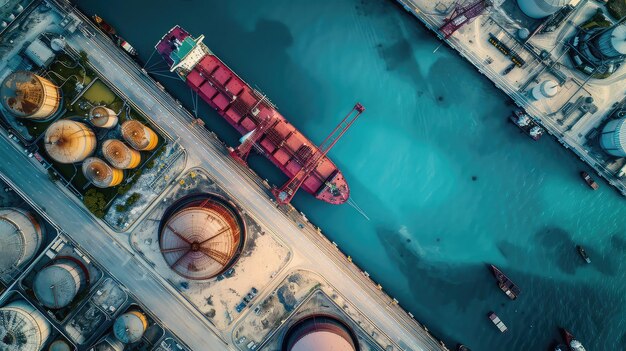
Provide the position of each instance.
(447, 182)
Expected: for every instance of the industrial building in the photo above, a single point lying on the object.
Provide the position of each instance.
(320, 332)
(30, 96)
(613, 137)
(139, 136)
(201, 236)
(56, 285)
(68, 141)
(541, 8)
(599, 51)
(130, 327)
(100, 174)
(39, 53)
(103, 117)
(22, 327)
(120, 155)
(20, 239)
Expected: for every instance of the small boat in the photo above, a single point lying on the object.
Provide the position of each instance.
(587, 178)
(461, 347)
(112, 33)
(583, 253)
(571, 342)
(561, 347)
(504, 283)
(497, 322)
(126, 46)
(526, 124)
(102, 24)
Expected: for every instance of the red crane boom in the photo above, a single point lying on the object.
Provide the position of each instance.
(289, 189)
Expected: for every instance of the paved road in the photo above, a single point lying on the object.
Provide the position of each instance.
(316, 253)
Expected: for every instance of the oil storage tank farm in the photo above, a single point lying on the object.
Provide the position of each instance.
(541, 8)
(22, 327)
(130, 327)
(139, 136)
(56, 285)
(320, 332)
(100, 174)
(120, 155)
(201, 236)
(20, 239)
(103, 117)
(69, 141)
(27, 95)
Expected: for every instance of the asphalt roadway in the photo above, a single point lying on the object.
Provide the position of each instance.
(157, 295)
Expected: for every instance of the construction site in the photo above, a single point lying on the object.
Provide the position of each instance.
(560, 61)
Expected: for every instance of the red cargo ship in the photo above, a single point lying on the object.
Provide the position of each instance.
(249, 111)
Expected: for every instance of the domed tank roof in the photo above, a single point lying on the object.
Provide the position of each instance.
(201, 236)
(101, 116)
(119, 154)
(541, 8)
(22, 93)
(59, 345)
(20, 238)
(99, 173)
(136, 134)
(613, 137)
(319, 333)
(56, 285)
(22, 327)
(58, 44)
(129, 327)
(68, 141)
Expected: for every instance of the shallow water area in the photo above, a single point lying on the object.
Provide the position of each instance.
(448, 183)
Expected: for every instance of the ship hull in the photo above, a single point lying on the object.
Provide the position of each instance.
(232, 98)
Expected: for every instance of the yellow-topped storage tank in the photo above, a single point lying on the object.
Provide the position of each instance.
(100, 174)
(139, 136)
(120, 155)
(68, 141)
(103, 117)
(27, 95)
(130, 327)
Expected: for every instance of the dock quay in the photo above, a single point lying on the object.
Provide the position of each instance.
(523, 55)
(306, 255)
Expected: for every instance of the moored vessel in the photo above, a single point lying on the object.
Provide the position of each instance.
(526, 124)
(504, 283)
(571, 342)
(587, 178)
(583, 253)
(112, 33)
(497, 322)
(253, 115)
(461, 347)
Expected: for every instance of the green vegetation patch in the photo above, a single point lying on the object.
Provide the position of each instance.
(597, 20)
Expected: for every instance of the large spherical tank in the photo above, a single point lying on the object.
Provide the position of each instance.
(120, 155)
(68, 141)
(201, 236)
(56, 285)
(22, 327)
(613, 138)
(541, 8)
(612, 43)
(130, 326)
(139, 136)
(27, 95)
(20, 238)
(102, 117)
(320, 333)
(100, 174)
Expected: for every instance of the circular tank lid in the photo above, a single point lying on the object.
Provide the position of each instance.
(19, 329)
(59, 345)
(66, 141)
(129, 328)
(550, 88)
(100, 115)
(319, 332)
(97, 171)
(116, 152)
(134, 132)
(22, 93)
(202, 238)
(322, 340)
(58, 44)
(55, 286)
(11, 242)
(618, 38)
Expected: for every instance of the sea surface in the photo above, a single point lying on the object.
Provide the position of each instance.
(447, 183)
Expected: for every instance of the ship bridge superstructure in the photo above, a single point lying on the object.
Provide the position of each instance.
(186, 54)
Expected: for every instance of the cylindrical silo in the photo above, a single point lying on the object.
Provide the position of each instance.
(541, 8)
(22, 327)
(139, 136)
(613, 138)
(68, 141)
(129, 327)
(56, 285)
(59, 345)
(100, 174)
(20, 238)
(27, 95)
(120, 155)
(545, 90)
(612, 43)
(320, 332)
(103, 117)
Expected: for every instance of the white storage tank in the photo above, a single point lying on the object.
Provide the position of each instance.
(613, 138)
(541, 8)
(56, 285)
(22, 327)
(612, 43)
(545, 90)
(20, 238)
